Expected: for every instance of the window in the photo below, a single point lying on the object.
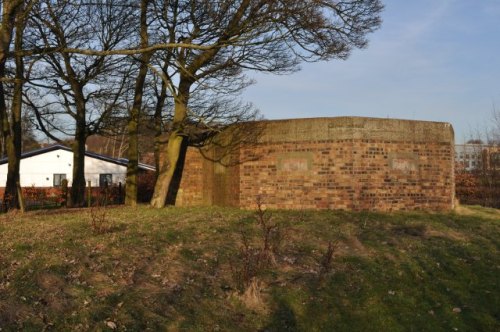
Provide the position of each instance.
(58, 178)
(105, 180)
(495, 159)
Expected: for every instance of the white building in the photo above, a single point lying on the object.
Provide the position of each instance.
(47, 167)
(469, 155)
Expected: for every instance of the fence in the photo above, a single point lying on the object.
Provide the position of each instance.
(56, 197)
(36, 198)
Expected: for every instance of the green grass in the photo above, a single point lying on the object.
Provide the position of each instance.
(174, 269)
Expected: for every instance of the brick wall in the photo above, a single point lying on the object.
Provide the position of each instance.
(191, 190)
(332, 163)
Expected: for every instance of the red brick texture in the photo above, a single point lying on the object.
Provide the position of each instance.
(332, 163)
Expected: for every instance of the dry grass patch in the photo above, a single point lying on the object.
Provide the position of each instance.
(352, 246)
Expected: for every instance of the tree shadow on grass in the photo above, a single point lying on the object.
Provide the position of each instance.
(282, 318)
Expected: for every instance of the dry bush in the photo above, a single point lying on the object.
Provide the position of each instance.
(247, 264)
(326, 261)
(99, 221)
(272, 234)
(252, 261)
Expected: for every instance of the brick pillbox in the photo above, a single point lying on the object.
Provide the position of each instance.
(349, 163)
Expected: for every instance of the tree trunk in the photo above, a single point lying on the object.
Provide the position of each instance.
(133, 158)
(78, 146)
(175, 182)
(170, 156)
(14, 138)
(167, 168)
(3, 115)
(133, 123)
(133, 138)
(158, 126)
(78, 184)
(9, 12)
(10, 198)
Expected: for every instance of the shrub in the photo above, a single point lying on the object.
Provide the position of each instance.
(251, 261)
(99, 221)
(327, 259)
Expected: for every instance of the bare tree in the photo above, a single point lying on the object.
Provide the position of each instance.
(82, 92)
(14, 16)
(198, 48)
(269, 36)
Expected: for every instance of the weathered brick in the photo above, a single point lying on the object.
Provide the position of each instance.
(332, 163)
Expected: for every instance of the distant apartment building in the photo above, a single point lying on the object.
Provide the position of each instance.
(492, 158)
(475, 156)
(469, 156)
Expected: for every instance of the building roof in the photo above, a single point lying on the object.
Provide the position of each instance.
(353, 127)
(120, 161)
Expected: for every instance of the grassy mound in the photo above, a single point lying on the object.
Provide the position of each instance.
(214, 269)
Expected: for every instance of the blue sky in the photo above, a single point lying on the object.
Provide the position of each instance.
(436, 60)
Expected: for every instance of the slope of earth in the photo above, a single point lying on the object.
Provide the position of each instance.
(214, 269)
